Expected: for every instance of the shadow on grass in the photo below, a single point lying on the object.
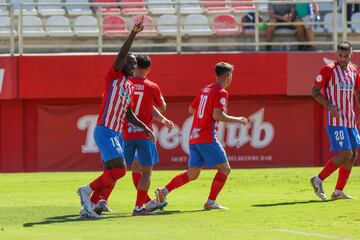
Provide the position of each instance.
(73, 218)
(76, 218)
(290, 203)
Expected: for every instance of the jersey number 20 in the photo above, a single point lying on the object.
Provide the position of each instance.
(203, 99)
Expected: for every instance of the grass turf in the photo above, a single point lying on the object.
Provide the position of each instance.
(263, 204)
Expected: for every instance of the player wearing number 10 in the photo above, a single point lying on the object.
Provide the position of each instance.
(209, 108)
(340, 80)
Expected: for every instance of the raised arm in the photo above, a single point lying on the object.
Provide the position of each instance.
(219, 115)
(120, 60)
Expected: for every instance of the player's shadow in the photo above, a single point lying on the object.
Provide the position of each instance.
(73, 218)
(290, 203)
(179, 212)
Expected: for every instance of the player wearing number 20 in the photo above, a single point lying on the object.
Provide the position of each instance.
(209, 108)
(340, 81)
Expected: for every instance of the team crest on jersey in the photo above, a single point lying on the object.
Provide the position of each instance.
(319, 78)
(223, 101)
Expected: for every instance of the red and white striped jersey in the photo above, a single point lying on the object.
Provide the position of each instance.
(339, 86)
(116, 100)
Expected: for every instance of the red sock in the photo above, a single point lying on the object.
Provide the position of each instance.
(329, 168)
(136, 178)
(140, 198)
(177, 181)
(217, 185)
(342, 178)
(95, 197)
(107, 179)
(107, 191)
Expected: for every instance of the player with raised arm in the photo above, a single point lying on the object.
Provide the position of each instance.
(340, 81)
(147, 97)
(209, 108)
(116, 105)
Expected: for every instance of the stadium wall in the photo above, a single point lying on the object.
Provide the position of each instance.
(49, 105)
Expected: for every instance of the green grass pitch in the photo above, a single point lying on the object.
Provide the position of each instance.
(263, 204)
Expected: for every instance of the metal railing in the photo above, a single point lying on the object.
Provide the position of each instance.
(178, 42)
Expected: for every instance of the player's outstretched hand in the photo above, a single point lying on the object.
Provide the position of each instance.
(169, 124)
(138, 27)
(243, 121)
(150, 135)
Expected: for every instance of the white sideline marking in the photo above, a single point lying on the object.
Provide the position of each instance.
(311, 234)
(1, 78)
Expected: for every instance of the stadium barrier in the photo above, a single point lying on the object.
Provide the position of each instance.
(49, 105)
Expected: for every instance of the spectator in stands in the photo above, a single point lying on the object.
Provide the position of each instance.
(306, 12)
(351, 8)
(278, 13)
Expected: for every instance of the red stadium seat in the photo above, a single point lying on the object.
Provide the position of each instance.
(225, 24)
(134, 9)
(149, 25)
(216, 8)
(236, 7)
(114, 26)
(108, 10)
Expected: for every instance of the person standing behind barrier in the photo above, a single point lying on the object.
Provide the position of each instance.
(278, 13)
(306, 12)
(340, 81)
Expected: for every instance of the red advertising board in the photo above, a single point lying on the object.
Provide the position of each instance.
(178, 74)
(8, 78)
(280, 134)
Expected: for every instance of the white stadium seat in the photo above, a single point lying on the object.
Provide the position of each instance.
(58, 26)
(356, 26)
(197, 25)
(27, 10)
(86, 26)
(166, 7)
(32, 27)
(326, 7)
(167, 25)
(190, 8)
(78, 10)
(329, 18)
(51, 10)
(4, 11)
(5, 27)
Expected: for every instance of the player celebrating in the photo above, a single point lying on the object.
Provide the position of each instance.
(147, 95)
(115, 106)
(208, 109)
(339, 80)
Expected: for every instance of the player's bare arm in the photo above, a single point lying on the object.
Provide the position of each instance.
(161, 118)
(191, 110)
(131, 117)
(120, 60)
(219, 115)
(317, 95)
(162, 108)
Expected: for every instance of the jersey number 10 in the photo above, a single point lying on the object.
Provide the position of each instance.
(203, 99)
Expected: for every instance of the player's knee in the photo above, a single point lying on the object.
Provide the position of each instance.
(226, 171)
(117, 173)
(193, 175)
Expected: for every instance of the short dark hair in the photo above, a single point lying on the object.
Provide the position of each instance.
(344, 46)
(143, 61)
(222, 67)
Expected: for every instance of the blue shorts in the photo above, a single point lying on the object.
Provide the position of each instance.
(109, 142)
(343, 138)
(206, 154)
(145, 149)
